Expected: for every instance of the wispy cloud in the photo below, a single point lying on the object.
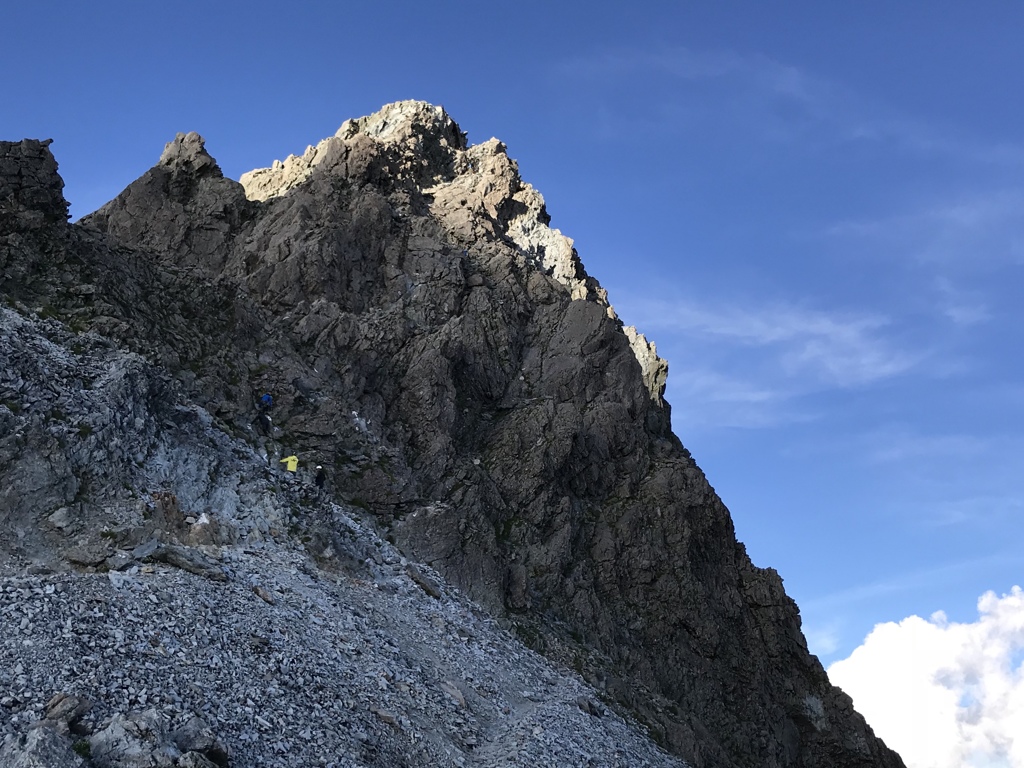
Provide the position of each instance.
(755, 366)
(680, 62)
(778, 100)
(823, 640)
(704, 398)
(712, 386)
(899, 446)
(961, 306)
(813, 347)
(928, 477)
(983, 229)
(904, 582)
(977, 510)
(751, 90)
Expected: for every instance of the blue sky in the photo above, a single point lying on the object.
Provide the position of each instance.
(815, 210)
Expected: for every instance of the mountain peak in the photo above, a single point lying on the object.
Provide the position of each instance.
(438, 348)
(416, 150)
(407, 139)
(188, 152)
(401, 119)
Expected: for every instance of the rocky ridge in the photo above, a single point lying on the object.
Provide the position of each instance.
(433, 342)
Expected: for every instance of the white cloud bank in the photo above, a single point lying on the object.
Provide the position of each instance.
(943, 694)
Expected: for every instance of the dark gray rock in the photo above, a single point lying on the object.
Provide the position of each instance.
(196, 737)
(187, 558)
(195, 760)
(425, 582)
(42, 747)
(138, 740)
(66, 710)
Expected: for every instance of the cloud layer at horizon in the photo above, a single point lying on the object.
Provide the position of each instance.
(945, 694)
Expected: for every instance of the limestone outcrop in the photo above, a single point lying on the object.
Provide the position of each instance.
(441, 350)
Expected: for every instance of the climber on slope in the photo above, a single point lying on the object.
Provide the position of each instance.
(321, 477)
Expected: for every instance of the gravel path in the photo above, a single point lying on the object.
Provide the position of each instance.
(293, 666)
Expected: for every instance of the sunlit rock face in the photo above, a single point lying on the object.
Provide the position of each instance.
(441, 350)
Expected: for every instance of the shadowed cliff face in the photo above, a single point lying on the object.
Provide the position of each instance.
(434, 343)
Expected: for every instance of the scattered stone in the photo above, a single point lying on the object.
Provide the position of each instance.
(453, 690)
(67, 710)
(386, 716)
(63, 519)
(138, 740)
(425, 582)
(186, 558)
(263, 594)
(195, 760)
(590, 706)
(197, 737)
(120, 561)
(89, 554)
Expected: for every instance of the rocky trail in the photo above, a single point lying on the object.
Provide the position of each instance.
(289, 666)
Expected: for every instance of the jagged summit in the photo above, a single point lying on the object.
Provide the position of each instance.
(476, 191)
(433, 343)
(420, 131)
(188, 151)
(402, 119)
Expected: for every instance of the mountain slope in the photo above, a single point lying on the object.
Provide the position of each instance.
(434, 343)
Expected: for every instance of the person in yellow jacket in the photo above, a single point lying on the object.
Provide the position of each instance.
(290, 462)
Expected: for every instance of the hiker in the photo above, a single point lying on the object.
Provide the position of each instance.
(265, 424)
(290, 462)
(321, 477)
(266, 402)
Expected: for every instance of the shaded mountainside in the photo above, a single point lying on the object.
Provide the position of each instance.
(194, 630)
(441, 350)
